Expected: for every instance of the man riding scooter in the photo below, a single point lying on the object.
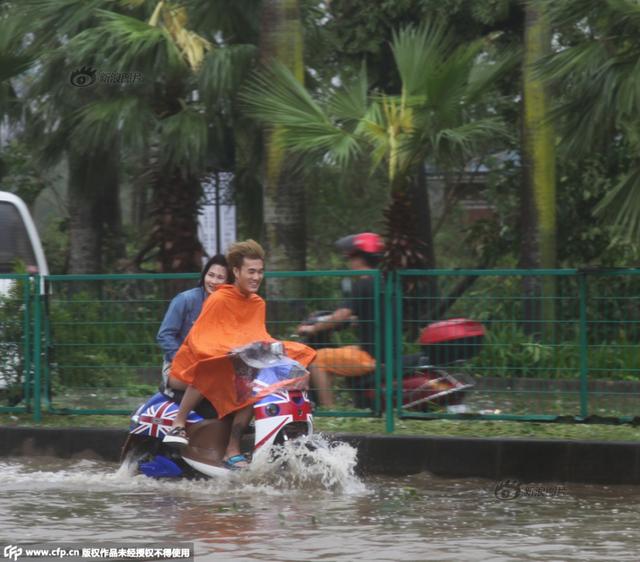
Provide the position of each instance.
(363, 252)
(232, 317)
(424, 382)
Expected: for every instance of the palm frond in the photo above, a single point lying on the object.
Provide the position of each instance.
(223, 71)
(128, 44)
(237, 21)
(350, 103)
(48, 20)
(192, 46)
(103, 122)
(450, 83)
(486, 73)
(431, 117)
(599, 77)
(373, 129)
(278, 100)
(184, 137)
(628, 11)
(621, 205)
(15, 56)
(568, 13)
(466, 140)
(586, 58)
(419, 52)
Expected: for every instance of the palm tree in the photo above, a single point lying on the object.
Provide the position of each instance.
(434, 117)
(45, 123)
(597, 74)
(161, 113)
(170, 126)
(15, 59)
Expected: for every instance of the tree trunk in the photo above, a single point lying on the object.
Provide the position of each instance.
(139, 203)
(427, 288)
(95, 223)
(108, 211)
(419, 194)
(284, 230)
(84, 236)
(175, 222)
(538, 200)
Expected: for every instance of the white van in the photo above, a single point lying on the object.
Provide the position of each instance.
(19, 240)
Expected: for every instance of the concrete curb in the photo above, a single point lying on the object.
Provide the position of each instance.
(525, 459)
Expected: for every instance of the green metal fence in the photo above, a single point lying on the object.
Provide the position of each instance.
(324, 291)
(100, 353)
(99, 332)
(558, 344)
(18, 346)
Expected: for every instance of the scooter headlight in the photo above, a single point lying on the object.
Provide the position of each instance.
(272, 409)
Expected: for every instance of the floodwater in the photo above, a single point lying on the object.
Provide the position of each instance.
(316, 510)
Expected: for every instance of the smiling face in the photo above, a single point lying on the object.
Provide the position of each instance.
(249, 276)
(215, 276)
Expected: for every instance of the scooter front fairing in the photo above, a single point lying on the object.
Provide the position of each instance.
(282, 414)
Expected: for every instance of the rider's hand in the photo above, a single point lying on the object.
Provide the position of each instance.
(305, 329)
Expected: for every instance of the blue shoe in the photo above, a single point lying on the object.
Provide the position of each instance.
(233, 463)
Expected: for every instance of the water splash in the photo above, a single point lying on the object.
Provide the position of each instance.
(310, 462)
(307, 463)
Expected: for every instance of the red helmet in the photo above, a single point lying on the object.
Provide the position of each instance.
(365, 242)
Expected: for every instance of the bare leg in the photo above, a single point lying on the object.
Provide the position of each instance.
(240, 422)
(177, 384)
(190, 400)
(321, 382)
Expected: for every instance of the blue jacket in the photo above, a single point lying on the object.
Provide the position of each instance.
(181, 314)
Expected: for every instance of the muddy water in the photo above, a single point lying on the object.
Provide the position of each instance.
(311, 513)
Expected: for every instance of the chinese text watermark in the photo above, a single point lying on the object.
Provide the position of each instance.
(512, 489)
(87, 76)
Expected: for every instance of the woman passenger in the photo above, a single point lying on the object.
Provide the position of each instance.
(183, 311)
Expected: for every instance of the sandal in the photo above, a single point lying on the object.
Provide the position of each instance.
(233, 463)
(176, 437)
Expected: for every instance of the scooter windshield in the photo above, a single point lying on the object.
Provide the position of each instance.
(262, 368)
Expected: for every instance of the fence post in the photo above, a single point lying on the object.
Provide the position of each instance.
(398, 341)
(37, 311)
(379, 340)
(26, 334)
(389, 347)
(45, 373)
(583, 345)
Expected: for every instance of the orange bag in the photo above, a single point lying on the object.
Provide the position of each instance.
(347, 361)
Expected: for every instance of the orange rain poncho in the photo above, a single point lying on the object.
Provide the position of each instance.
(228, 320)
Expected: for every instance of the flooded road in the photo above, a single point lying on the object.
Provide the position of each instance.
(324, 515)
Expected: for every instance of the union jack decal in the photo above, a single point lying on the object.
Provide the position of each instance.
(155, 420)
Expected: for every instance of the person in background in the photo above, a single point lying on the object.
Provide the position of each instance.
(185, 309)
(363, 252)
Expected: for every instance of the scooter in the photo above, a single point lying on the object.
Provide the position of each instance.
(427, 380)
(282, 415)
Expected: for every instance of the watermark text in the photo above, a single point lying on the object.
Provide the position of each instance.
(512, 489)
(88, 76)
(181, 551)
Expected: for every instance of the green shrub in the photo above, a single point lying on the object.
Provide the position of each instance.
(509, 353)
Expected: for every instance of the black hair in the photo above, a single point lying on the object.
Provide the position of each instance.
(218, 259)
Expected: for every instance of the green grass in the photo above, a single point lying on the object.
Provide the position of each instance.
(525, 430)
